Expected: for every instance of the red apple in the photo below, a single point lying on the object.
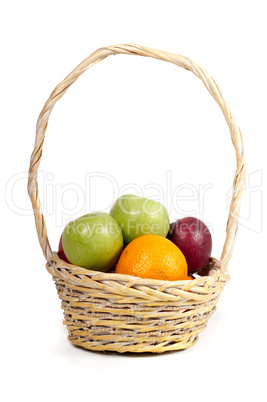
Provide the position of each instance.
(61, 253)
(193, 238)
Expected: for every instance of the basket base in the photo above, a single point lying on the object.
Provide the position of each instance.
(176, 334)
(135, 348)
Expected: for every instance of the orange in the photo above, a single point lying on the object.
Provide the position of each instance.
(153, 257)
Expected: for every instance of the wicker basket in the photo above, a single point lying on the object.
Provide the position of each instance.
(113, 312)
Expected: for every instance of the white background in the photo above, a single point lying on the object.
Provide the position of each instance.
(134, 119)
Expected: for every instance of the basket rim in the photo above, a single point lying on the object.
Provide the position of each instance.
(218, 272)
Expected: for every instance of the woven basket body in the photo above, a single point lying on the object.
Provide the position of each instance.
(109, 311)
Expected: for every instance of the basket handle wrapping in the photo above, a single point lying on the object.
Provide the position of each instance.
(181, 61)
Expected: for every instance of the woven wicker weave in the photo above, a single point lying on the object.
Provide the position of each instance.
(109, 311)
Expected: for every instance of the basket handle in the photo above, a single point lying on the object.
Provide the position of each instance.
(181, 61)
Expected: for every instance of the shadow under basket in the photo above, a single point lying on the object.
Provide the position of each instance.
(122, 313)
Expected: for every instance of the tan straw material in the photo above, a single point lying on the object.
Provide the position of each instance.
(109, 311)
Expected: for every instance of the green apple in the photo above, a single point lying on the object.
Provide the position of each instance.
(93, 241)
(139, 216)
